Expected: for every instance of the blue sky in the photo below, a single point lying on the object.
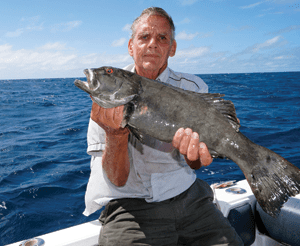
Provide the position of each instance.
(57, 39)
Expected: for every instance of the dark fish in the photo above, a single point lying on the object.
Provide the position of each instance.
(159, 110)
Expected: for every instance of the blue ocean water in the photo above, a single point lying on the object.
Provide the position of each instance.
(44, 167)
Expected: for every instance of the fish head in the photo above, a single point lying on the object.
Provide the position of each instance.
(110, 87)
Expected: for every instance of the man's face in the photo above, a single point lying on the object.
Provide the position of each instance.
(152, 45)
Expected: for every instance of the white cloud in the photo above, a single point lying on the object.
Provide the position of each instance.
(184, 36)
(54, 46)
(206, 35)
(73, 24)
(52, 60)
(286, 30)
(184, 21)
(33, 58)
(32, 19)
(266, 45)
(251, 5)
(119, 42)
(126, 28)
(31, 25)
(279, 57)
(268, 56)
(273, 43)
(192, 52)
(66, 26)
(5, 48)
(15, 33)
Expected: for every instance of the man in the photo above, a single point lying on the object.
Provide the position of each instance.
(150, 193)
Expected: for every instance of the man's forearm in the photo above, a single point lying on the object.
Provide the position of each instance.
(115, 160)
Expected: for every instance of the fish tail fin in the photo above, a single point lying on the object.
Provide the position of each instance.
(273, 180)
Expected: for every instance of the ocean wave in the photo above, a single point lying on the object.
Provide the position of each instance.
(290, 136)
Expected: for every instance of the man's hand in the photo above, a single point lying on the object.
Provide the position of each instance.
(109, 119)
(115, 160)
(187, 142)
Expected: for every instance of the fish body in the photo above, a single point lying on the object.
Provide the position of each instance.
(159, 110)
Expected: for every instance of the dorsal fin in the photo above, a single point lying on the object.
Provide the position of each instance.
(225, 107)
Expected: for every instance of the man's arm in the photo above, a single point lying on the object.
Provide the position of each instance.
(196, 154)
(115, 160)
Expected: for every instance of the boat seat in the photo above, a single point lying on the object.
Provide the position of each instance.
(286, 227)
(242, 220)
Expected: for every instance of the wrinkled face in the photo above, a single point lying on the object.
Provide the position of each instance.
(152, 44)
(109, 87)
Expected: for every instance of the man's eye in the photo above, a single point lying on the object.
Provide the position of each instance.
(163, 39)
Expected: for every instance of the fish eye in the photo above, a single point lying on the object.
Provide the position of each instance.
(109, 71)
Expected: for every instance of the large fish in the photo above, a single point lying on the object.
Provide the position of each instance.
(159, 110)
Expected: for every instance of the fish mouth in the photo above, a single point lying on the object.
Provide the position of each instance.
(83, 85)
(88, 73)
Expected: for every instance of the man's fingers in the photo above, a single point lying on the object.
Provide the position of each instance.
(205, 156)
(177, 138)
(193, 149)
(95, 108)
(118, 115)
(185, 141)
(107, 117)
(95, 112)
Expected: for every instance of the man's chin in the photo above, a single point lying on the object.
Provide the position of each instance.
(152, 65)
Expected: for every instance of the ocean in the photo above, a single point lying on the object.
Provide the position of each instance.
(44, 168)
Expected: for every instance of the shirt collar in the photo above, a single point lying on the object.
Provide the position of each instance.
(163, 77)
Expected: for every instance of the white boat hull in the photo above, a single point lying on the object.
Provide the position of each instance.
(87, 234)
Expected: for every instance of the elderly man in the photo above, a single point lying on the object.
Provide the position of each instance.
(150, 190)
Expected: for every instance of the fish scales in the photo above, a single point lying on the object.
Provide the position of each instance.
(159, 110)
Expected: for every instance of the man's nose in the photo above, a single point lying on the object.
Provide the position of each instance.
(152, 43)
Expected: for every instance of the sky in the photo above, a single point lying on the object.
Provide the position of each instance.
(59, 39)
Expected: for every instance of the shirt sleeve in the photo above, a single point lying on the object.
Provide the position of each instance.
(95, 139)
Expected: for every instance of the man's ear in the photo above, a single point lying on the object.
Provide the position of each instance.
(130, 47)
(173, 48)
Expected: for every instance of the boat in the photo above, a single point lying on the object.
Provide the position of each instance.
(234, 199)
